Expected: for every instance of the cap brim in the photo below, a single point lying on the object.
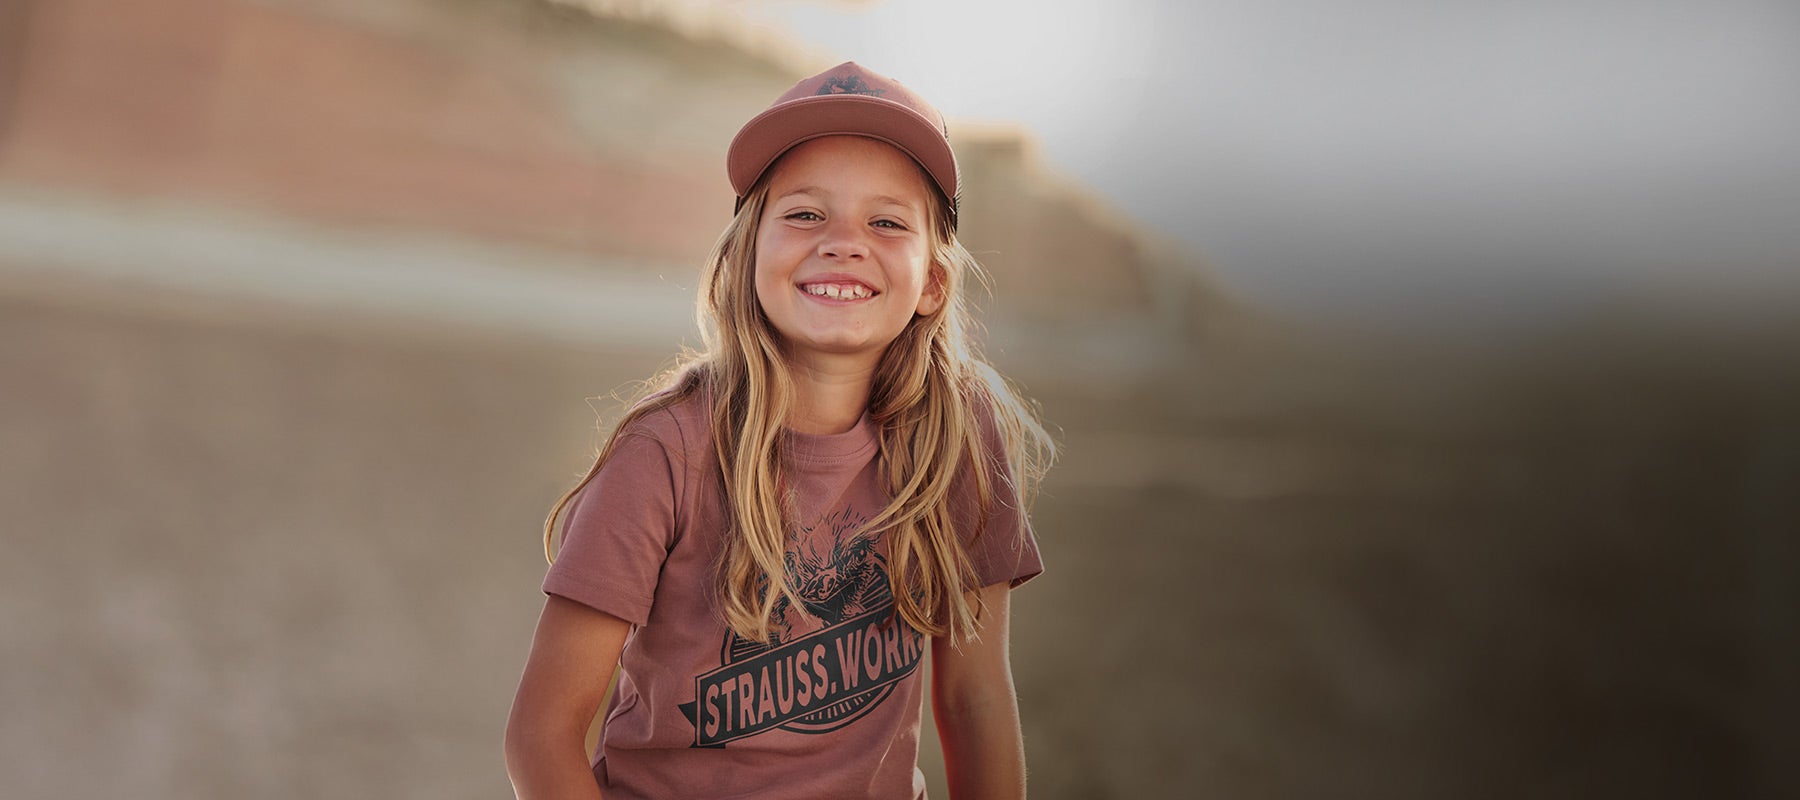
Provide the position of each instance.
(777, 130)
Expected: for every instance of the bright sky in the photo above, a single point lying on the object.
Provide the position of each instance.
(1471, 159)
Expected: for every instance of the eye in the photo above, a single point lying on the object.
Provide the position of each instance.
(804, 216)
(893, 224)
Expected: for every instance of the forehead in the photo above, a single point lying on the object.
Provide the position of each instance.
(852, 165)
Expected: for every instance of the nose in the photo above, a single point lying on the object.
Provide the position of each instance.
(843, 240)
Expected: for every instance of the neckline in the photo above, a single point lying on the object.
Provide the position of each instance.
(860, 440)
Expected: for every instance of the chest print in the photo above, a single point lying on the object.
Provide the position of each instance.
(812, 681)
(836, 576)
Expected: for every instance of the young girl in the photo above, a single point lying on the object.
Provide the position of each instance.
(772, 539)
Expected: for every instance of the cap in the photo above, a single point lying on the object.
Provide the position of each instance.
(846, 99)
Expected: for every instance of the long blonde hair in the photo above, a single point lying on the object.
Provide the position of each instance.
(930, 387)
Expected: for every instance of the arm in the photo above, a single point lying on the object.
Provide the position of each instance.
(977, 713)
(565, 679)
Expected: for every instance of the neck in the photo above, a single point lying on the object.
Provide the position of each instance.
(830, 396)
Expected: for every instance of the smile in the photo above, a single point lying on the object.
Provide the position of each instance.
(838, 291)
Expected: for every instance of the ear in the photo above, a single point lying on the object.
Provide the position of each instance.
(932, 298)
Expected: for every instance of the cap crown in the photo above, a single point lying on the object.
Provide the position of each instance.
(848, 99)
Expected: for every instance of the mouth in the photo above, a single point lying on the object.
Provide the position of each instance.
(839, 291)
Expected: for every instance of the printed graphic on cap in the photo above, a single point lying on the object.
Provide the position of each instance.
(819, 680)
(849, 85)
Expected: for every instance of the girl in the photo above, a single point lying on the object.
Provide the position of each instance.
(771, 539)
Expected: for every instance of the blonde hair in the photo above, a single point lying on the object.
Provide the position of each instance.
(930, 388)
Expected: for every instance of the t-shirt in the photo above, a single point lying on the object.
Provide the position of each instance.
(831, 709)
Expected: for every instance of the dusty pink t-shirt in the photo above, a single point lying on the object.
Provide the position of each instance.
(829, 711)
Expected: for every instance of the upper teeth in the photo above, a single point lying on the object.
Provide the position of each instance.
(838, 290)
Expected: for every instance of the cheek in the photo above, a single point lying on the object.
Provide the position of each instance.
(918, 272)
(759, 276)
(764, 278)
(773, 251)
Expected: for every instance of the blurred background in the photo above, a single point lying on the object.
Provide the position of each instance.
(1426, 375)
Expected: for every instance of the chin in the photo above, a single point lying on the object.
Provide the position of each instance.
(833, 347)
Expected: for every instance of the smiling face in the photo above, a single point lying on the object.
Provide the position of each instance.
(843, 250)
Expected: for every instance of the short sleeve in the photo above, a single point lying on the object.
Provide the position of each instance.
(1006, 549)
(619, 529)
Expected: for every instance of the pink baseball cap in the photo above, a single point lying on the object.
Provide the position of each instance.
(846, 99)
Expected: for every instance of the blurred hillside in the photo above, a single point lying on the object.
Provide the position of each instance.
(307, 309)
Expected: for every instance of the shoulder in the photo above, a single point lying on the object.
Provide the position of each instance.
(670, 432)
(990, 435)
(985, 465)
(648, 463)
(680, 425)
(1008, 446)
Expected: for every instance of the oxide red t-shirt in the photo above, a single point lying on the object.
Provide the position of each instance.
(832, 708)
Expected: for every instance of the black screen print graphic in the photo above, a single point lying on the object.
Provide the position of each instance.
(817, 681)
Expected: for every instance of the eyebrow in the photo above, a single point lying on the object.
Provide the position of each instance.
(814, 190)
